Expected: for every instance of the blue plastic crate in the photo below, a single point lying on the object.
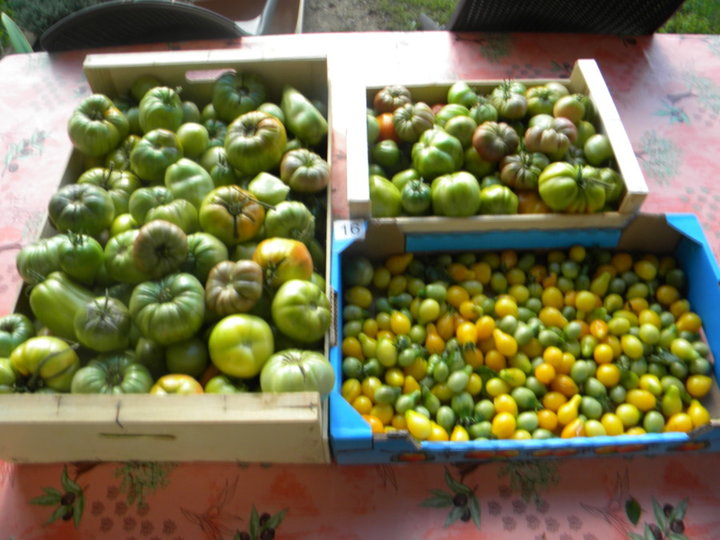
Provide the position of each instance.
(351, 439)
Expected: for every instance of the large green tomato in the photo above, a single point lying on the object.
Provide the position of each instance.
(455, 195)
(297, 370)
(304, 170)
(160, 107)
(497, 199)
(39, 259)
(290, 219)
(187, 180)
(119, 184)
(255, 142)
(103, 325)
(437, 153)
(147, 198)
(159, 248)
(119, 259)
(81, 208)
(56, 301)
(233, 287)
(114, 373)
(154, 153)
(97, 126)
(180, 212)
(571, 188)
(45, 362)
(231, 214)
(81, 257)
(14, 329)
(301, 310)
(237, 93)
(385, 197)
(240, 345)
(302, 118)
(170, 309)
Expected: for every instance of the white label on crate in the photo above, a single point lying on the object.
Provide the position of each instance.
(349, 229)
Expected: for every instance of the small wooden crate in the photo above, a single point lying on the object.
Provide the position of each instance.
(584, 79)
(253, 427)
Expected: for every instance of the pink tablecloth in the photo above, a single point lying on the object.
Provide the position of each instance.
(667, 90)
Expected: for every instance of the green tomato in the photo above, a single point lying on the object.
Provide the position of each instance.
(222, 384)
(412, 120)
(15, 328)
(81, 257)
(188, 357)
(236, 93)
(187, 180)
(304, 171)
(268, 188)
(56, 301)
(81, 208)
(103, 324)
(170, 309)
(144, 199)
(571, 188)
(297, 370)
(498, 200)
(159, 248)
(462, 94)
(416, 198)
(97, 126)
(120, 261)
(255, 142)
(160, 108)
(597, 149)
(455, 195)
(302, 118)
(37, 260)
(301, 311)
(385, 198)
(113, 373)
(437, 153)
(180, 212)
(45, 362)
(194, 138)
(231, 214)
(290, 219)
(233, 287)
(240, 344)
(119, 184)
(204, 252)
(8, 377)
(154, 153)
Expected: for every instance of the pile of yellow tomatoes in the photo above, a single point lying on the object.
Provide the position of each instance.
(518, 345)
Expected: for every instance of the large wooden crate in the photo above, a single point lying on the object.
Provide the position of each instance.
(252, 427)
(585, 78)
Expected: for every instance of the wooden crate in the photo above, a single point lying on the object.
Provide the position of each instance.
(253, 427)
(584, 79)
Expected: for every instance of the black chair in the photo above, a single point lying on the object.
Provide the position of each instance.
(128, 22)
(619, 17)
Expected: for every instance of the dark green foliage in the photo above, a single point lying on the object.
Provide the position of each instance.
(695, 17)
(36, 16)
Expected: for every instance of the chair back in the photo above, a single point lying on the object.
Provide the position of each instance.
(619, 17)
(128, 22)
